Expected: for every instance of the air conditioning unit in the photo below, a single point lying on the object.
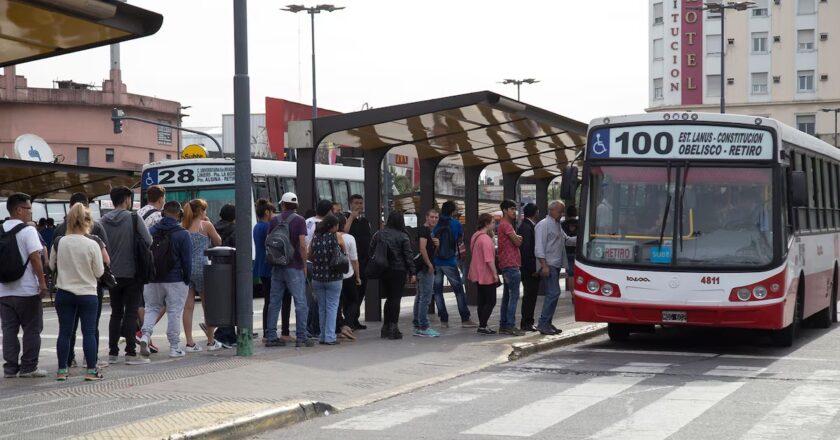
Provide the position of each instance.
(777, 79)
(777, 2)
(730, 81)
(824, 77)
(731, 41)
(824, 36)
(777, 38)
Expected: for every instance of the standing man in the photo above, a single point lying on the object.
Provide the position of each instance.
(449, 233)
(122, 226)
(22, 287)
(509, 262)
(168, 292)
(151, 214)
(291, 277)
(425, 276)
(550, 250)
(359, 227)
(528, 271)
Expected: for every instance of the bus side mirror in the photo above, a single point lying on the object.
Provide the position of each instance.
(798, 189)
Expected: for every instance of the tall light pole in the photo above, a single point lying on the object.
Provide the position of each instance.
(518, 83)
(835, 110)
(720, 8)
(312, 10)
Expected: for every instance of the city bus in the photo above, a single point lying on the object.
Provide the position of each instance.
(695, 219)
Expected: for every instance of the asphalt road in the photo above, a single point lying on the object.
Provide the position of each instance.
(676, 384)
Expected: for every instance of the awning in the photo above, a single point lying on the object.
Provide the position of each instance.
(35, 29)
(57, 181)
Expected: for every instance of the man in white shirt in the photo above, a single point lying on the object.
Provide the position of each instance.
(151, 213)
(550, 249)
(20, 300)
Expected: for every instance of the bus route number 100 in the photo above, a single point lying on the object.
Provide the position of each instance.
(662, 143)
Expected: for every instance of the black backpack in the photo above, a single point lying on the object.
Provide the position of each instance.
(162, 253)
(279, 250)
(378, 262)
(448, 247)
(143, 257)
(13, 266)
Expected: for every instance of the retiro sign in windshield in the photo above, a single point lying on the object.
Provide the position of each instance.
(680, 142)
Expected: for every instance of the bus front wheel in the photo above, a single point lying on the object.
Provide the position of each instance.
(786, 336)
(618, 332)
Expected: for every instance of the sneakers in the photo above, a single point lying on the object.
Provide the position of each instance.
(547, 330)
(144, 346)
(306, 343)
(486, 331)
(152, 347)
(329, 342)
(216, 345)
(62, 375)
(276, 342)
(513, 331)
(195, 348)
(136, 360)
(426, 333)
(93, 375)
(469, 324)
(113, 359)
(444, 324)
(138, 335)
(9, 375)
(176, 352)
(35, 373)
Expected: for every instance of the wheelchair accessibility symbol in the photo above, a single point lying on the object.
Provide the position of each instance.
(150, 178)
(600, 146)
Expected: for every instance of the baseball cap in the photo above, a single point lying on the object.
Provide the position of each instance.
(289, 198)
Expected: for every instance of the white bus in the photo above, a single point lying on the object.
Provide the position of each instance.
(707, 220)
(213, 181)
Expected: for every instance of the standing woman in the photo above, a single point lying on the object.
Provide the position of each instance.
(483, 270)
(202, 235)
(349, 289)
(78, 262)
(326, 280)
(400, 266)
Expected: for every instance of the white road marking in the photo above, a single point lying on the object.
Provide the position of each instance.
(95, 416)
(735, 371)
(538, 416)
(58, 411)
(385, 418)
(682, 405)
(13, 408)
(804, 413)
(645, 352)
(642, 367)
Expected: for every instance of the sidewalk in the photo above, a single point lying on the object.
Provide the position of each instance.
(170, 397)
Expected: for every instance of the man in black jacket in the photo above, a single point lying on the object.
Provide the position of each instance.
(530, 274)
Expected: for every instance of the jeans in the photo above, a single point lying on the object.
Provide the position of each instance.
(125, 300)
(328, 294)
(16, 313)
(486, 303)
(552, 294)
(454, 277)
(510, 297)
(171, 295)
(67, 307)
(391, 285)
(292, 280)
(100, 293)
(425, 287)
(530, 289)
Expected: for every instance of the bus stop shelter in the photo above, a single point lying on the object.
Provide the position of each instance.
(58, 181)
(479, 131)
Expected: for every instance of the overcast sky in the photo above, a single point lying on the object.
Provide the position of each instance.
(590, 56)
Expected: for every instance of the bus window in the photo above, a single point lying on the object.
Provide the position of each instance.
(341, 195)
(216, 198)
(275, 189)
(260, 186)
(323, 190)
(55, 210)
(288, 185)
(357, 188)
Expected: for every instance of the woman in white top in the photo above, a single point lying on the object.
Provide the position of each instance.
(349, 289)
(78, 263)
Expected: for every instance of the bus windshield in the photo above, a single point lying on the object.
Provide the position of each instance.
(719, 216)
(215, 198)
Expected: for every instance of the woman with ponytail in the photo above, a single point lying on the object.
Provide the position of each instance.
(203, 235)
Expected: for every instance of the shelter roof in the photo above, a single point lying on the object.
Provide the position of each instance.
(57, 181)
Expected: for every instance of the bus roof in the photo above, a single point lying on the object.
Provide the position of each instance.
(270, 167)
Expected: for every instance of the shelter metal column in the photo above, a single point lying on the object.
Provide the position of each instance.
(510, 183)
(542, 195)
(373, 212)
(471, 177)
(428, 170)
(305, 185)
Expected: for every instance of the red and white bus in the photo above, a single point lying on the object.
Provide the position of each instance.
(707, 220)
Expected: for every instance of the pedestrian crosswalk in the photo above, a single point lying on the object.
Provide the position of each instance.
(647, 400)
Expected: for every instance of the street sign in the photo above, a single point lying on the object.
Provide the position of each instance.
(194, 151)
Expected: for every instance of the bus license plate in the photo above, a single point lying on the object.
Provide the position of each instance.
(674, 316)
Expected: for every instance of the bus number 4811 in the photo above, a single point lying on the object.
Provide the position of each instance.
(710, 280)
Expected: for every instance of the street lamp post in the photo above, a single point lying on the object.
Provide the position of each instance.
(518, 83)
(312, 11)
(720, 8)
(835, 110)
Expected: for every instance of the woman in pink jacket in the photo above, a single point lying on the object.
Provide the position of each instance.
(483, 270)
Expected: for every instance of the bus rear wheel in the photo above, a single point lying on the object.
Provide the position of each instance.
(827, 316)
(618, 332)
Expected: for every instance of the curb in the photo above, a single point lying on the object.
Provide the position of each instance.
(263, 421)
(522, 349)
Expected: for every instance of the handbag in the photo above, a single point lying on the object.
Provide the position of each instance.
(339, 262)
(108, 279)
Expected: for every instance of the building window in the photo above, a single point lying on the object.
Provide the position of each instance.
(83, 156)
(164, 133)
(713, 86)
(761, 9)
(168, 156)
(713, 44)
(657, 49)
(109, 155)
(759, 83)
(807, 7)
(805, 80)
(759, 42)
(805, 40)
(657, 14)
(151, 157)
(657, 89)
(806, 123)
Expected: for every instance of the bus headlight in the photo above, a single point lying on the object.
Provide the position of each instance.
(760, 292)
(592, 286)
(607, 290)
(744, 294)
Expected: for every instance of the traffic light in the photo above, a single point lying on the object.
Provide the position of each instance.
(116, 116)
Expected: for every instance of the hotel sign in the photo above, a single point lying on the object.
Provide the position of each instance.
(684, 61)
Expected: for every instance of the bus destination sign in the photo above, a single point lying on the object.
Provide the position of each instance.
(188, 175)
(704, 142)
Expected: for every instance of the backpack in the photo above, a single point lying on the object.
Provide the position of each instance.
(143, 257)
(279, 250)
(161, 250)
(378, 262)
(13, 266)
(448, 247)
(149, 213)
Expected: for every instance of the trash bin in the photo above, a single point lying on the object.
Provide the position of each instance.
(220, 287)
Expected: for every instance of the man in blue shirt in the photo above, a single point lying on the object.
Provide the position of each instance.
(450, 234)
